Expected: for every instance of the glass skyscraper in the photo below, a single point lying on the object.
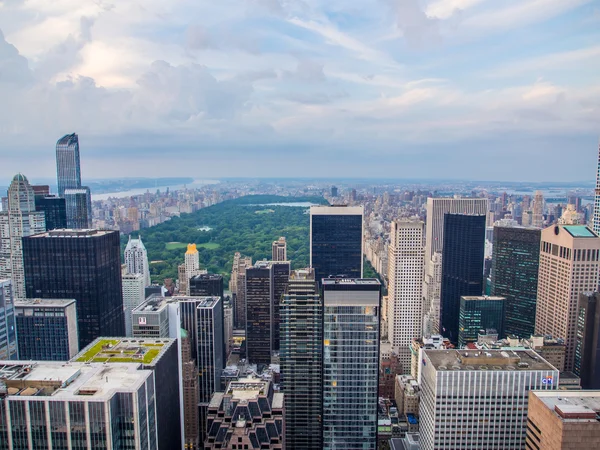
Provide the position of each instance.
(462, 267)
(301, 358)
(8, 331)
(336, 241)
(68, 169)
(350, 363)
(479, 313)
(85, 266)
(515, 265)
(54, 209)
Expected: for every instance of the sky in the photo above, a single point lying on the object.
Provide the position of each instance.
(465, 89)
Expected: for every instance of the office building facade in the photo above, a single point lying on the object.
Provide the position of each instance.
(569, 266)
(336, 235)
(47, 329)
(8, 330)
(587, 345)
(84, 265)
(54, 209)
(301, 359)
(51, 405)
(133, 296)
(596, 218)
(18, 220)
(462, 267)
(136, 259)
(405, 282)
(479, 399)
(279, 250)
(206, 285)
(477, 314)
(237, 286)
(68, 167)
(515, 266)
(350, 362)
(78, 203)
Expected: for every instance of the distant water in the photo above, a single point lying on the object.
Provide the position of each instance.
(131, 192)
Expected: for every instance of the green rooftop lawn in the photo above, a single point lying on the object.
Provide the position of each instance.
(98, 354)
(97, 348)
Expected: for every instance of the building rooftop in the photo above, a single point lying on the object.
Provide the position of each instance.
(43, 302)
(469, 298)
(247, 388)
(70, 233)
(124, 350)
(518, 360)
(351, 281)
(208, 276)
(571, 406)
(67, 139)
(153, 303)
(201, 302)
(78, 381)
(336, 210)
(579, 231)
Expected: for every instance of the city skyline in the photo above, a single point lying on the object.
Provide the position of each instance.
(430, 86)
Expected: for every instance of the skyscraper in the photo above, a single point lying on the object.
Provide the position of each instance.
(537, 220)
(405, 278)
(587, 345)
(515, 265)
(434, 243)
(47, 329)
(596, 219)
(301, 359)
(84, 265)
(279, 250)
(190, 268)
(265, 285)
(432, 286)
(237, 286)
(8, 330)
(350, 363)
(336, 234)
(462, 267)
(133, 296)
(569, 266)
(479, 313)
(68, 168)
(206, 285)
(54, 209)
(68, 171)
(473, 400)
(19, 220)
(136, 259)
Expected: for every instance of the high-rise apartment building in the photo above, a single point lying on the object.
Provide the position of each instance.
(301, 359)
(133, 296)
(336, 235)
(8, 329)
(54, 209)
(47, 329)
(479, 313)
(561, 420)
(136, 259)
(248, 415)
(68, 171)
(237, 286)
(596, 218)
(569, 266)
(405, 283)
(434, 243)
(279, 250)
(266, 282)
(20, 219)
(189, 268)
(159, 356)
(84, 265)
(350, 363)
(50, 405)
(537, 220)
(462, 267)
(472, 400)
(587, 346)
(515, 266)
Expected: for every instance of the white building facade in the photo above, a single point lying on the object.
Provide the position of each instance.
(136, 259)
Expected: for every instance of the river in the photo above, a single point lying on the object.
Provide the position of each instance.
(193, 185)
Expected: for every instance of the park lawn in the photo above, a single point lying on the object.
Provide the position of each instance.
(175, 245)
(209, 245)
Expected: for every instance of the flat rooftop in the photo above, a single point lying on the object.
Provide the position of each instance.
(336, 210)
(124, 350)
(572, 406)
(247, 388)
(351, 281)
(43, 302)
(469, 298)
(579, 231)
(201, 302)
(77, 381)
(517, 360)
(69, 233)
(153, 303)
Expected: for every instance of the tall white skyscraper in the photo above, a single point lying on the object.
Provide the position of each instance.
(432, 285)
(434, 239)
(136, 259)
(19, 220)
(405, 278)
(596, 224)
(192, 261)
(537, 219)
(133, 296)
(279, 250)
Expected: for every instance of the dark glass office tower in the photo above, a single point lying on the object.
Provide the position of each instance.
(477, 314)
(462, 267)
(280, 273)
(336, 241)
(587, 344)
(301, 358)
(515, 265)
(8, 329)
(79, 208)
(54, 209)
(68, 172)
(350, 363)
(84, 265)
(206, 285)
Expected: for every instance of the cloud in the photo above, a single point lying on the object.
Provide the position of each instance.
(14, 69)
(418, 29)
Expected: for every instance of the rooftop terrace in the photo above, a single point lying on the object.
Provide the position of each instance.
(128, 350)
(518, 360)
